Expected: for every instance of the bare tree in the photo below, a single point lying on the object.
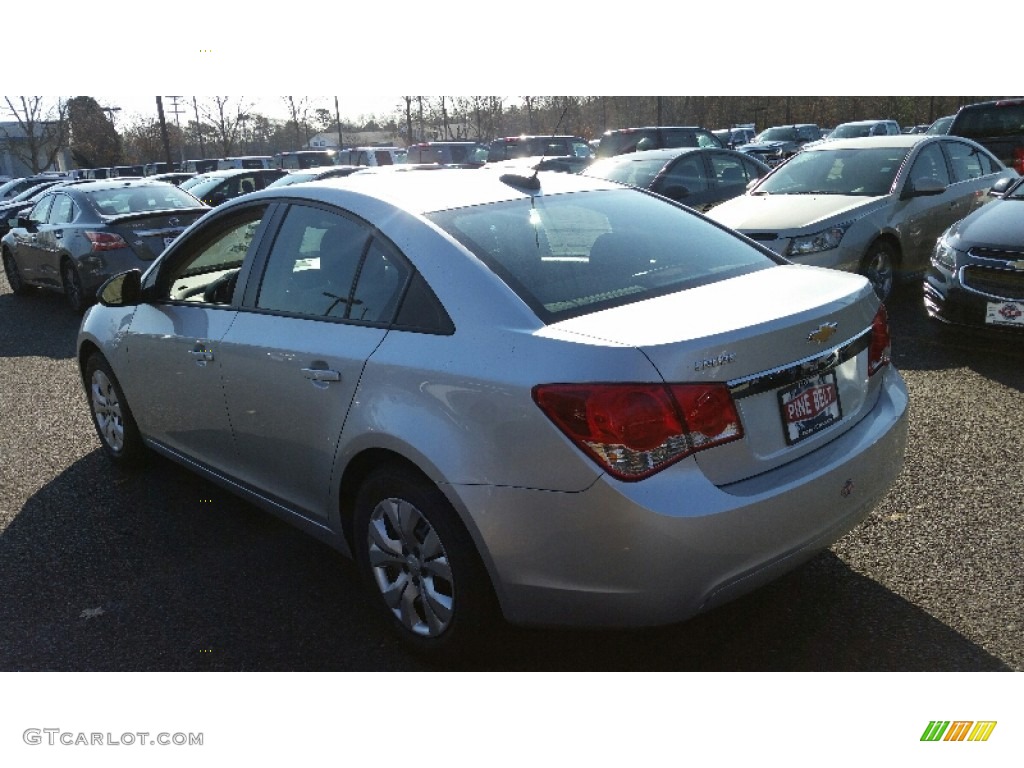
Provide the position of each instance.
(227, 120)
(44, 128)
(297, 110)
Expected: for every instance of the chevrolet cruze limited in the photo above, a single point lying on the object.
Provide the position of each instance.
(874, 205)
(544, 397)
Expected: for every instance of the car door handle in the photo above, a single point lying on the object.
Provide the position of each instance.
(59, 235)
(321, 374)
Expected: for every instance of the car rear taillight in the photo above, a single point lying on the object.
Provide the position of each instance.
(105, 241)
(1018, 160)
(880, 348)
(635, 430)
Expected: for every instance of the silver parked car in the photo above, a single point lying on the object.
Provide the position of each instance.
(544, 397)
(873, 205)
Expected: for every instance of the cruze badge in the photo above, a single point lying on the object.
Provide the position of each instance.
(714, 362)
(823, 332)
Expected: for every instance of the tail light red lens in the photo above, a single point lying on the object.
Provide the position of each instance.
(635, 430)
(880, 349)
(1018, 160)
(105, 241)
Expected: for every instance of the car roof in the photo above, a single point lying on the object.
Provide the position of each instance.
(867, 142)
(91, 185)
(867, 122)
(441, 189)
(226, 172)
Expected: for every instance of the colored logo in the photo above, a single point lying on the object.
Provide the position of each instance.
(1010, 311)
(958, 730)
(823, 332)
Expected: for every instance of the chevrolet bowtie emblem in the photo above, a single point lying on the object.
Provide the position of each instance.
(823, 332)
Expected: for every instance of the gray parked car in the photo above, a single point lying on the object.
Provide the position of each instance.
(521, 395)
(874, 205)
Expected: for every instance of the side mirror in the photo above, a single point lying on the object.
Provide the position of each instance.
(26, 223)
(122, 290)
(922, 188)
(1000, 187)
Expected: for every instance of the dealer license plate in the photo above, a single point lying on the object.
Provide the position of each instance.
(1005, 313)
(809, 406)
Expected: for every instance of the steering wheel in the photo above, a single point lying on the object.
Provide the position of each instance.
(217, 292)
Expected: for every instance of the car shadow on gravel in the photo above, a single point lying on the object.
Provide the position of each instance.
(161, 570)
(39, 324)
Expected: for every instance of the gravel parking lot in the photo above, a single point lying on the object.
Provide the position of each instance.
(101, 570)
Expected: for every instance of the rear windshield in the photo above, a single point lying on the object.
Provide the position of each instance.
(990, 121)
(568, 255)
(625, 170)
(155, 197)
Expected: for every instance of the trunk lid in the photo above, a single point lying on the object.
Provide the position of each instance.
(150, 233)
(791, 342)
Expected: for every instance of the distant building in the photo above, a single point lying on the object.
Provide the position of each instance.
(13, 146)
(329, 139)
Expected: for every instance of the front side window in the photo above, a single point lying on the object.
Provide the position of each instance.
(40, 210)
(572, 254)
(687, 172)
(930, 164)
(206, 268)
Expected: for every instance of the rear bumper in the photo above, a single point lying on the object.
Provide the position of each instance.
(666, 548)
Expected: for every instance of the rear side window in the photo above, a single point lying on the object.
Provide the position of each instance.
(964, 160)
(568, 255)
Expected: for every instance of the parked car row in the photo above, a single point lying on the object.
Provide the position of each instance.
(431, 321)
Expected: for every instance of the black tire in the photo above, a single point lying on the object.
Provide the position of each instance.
(425, 574)
(73, 290)
(880, 265)
(115, 425)
(18, 286)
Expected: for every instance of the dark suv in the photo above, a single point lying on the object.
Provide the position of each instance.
(622, 140)
(781, 142)
(996, 125)
(513, 147)
(469, 153)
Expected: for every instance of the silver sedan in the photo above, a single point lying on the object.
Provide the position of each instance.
(544, 397)
(874, 205)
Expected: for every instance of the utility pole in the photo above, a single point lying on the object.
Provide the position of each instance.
(163, 130)
(337, 119)
(177, 110)
(199, 128)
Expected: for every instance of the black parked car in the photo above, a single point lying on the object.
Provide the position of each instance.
(78, 235)
(623, 140)
(216, 187)
(779, 143)
(696, 176)
(977, 271)
(513, 147)
(996, 125)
